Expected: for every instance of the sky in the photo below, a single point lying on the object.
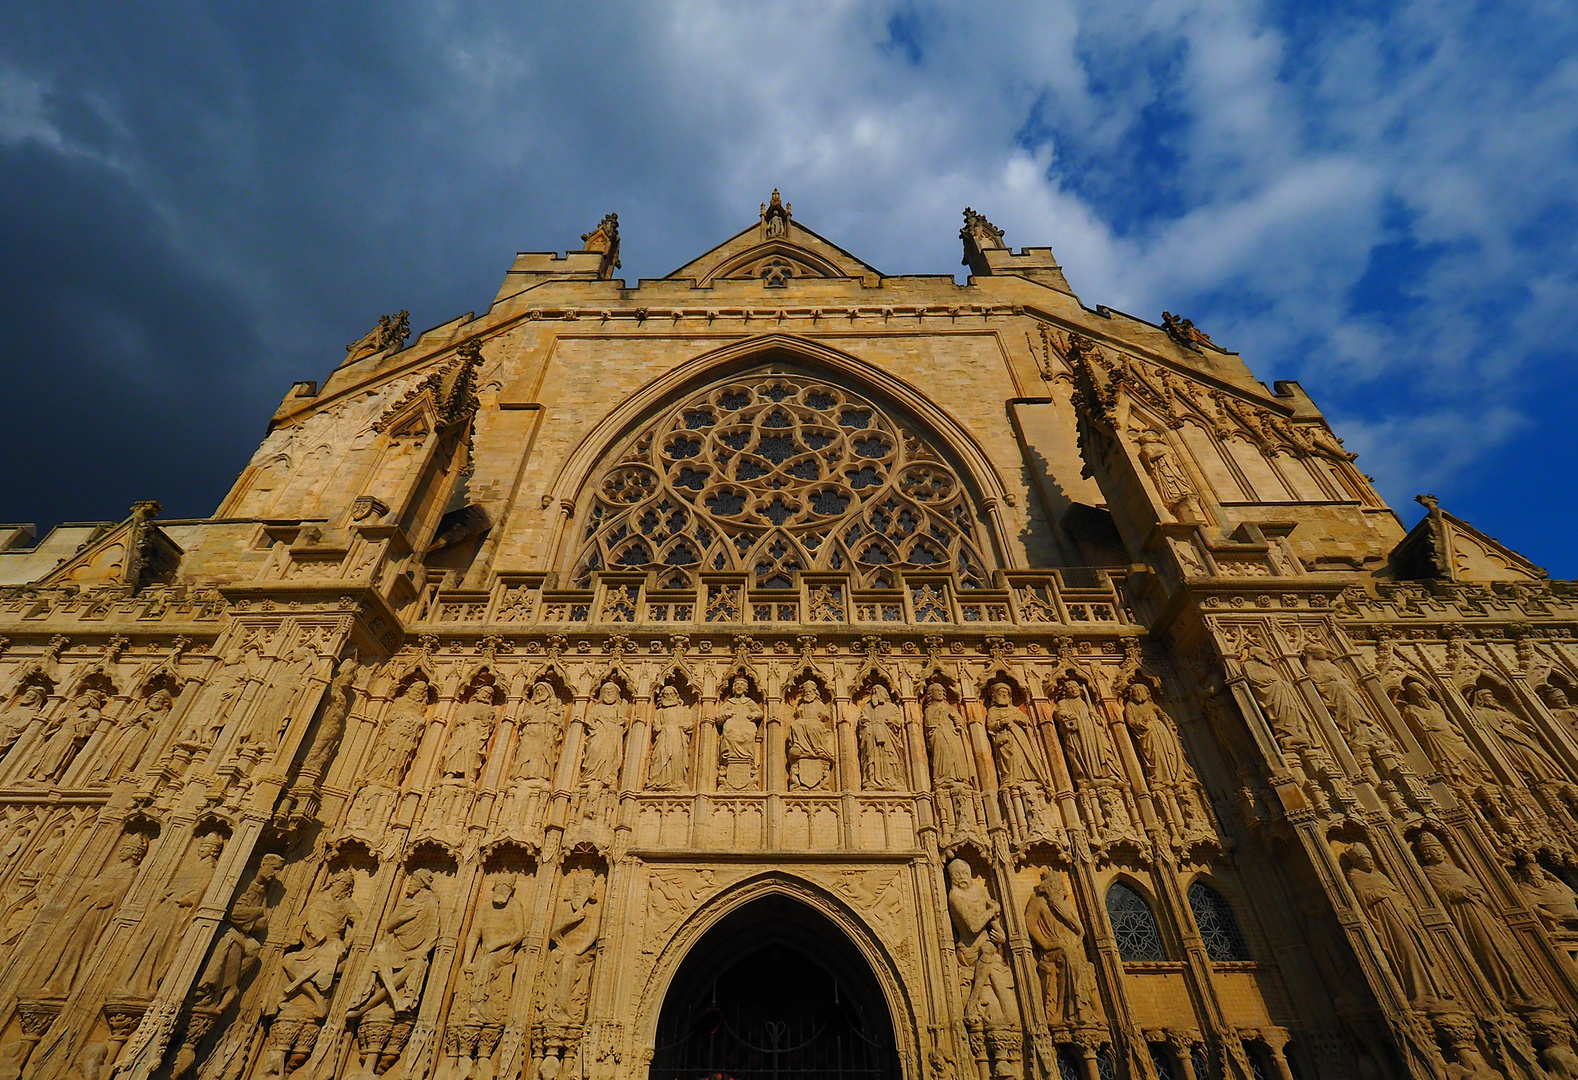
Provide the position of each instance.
(200, 204)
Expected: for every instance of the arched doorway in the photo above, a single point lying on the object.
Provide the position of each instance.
(774, 992)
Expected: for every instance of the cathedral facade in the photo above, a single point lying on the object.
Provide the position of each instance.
(782, 669)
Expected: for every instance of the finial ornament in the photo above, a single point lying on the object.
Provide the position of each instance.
(387, 336)
(605, 241)
(1185, 333)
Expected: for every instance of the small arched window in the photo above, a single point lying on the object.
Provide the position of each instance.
(1134, 925)
(1218, 928)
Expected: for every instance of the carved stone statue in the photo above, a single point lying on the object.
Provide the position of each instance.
(1342, 699)
(950, 756)
(1059, 940)
(281, 693)
(1276, 696)
(880, 731)
(672, 723)
(1482, 929)
(1548, 896)
(309, 974)
(86, 917)
(159, 934)
(1439, 737)
(810, 744)
(1401, 936)
(738, 719)
(397, 964)
(1555, 699)
(469, 739)
(539, 730)
(71, 733)
(605, 738)
(572, 945)
(124, 747)
(1519, 737)
(499, 929)
(27, 707)
(1155, 741)
(331, 725)
(978, 939)
(1086, 745)
(402, 731)
(1172, 484)
(236, 956)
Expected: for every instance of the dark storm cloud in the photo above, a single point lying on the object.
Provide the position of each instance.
(203, 203)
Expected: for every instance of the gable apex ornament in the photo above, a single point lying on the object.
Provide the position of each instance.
(1186, 333)
(387, 336)
(776, 216)
(604, 240)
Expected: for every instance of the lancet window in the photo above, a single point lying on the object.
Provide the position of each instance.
(773, 474)
(1134, 925)
(1219, 930)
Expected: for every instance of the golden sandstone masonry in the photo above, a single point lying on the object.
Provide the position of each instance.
(780, 669)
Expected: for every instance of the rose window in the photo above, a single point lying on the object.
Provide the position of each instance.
(773, 475)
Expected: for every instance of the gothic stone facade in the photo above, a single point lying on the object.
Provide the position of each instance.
(1075, 685)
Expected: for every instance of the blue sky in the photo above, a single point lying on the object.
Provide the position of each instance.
(1378, 200)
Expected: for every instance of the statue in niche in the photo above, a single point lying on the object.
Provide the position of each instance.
(1276, 696)
(1059, 940)
(1547, 895)
(1399, 931)
(159, 933)
(397, 963)
(881, 768)
(1519, 737)
(71, 733)
(572, 945)
(1155, 742)
(1086, 746)
(978, 938)
(236, 955)
(391, 754)
(469, 740)
(124, 747)
(605, 742)
(1555, 699)
(310, 972)
(331, 725)
(281, 690)
(539, 730)
(500, 927)
(810, 744)
(945, 741)
(1482, 929)
(1172, 484)
(672, 724)
(1439, 737)
(27, 707)
(88, 914)
(223, 691)
(1342, 700)
(738, 720)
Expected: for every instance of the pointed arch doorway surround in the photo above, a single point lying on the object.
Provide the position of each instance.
(774, 991)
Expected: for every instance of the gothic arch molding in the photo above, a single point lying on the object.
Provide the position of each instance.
(777, 884)
(783, 249)
(980, 483)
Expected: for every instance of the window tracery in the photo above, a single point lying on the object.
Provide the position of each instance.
(1134, 925)
(1224, 941)
(774, 474)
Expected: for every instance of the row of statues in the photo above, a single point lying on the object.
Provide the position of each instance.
(58, 740)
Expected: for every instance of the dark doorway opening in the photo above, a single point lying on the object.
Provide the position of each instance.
(774, 992)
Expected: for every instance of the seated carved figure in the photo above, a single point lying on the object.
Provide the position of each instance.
(810, 742)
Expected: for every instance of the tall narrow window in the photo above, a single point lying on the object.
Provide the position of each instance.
(1218, 928)
(1133, 923)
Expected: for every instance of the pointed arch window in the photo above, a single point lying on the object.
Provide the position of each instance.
(774, 474)
(1134, 924)
(1224, 941)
